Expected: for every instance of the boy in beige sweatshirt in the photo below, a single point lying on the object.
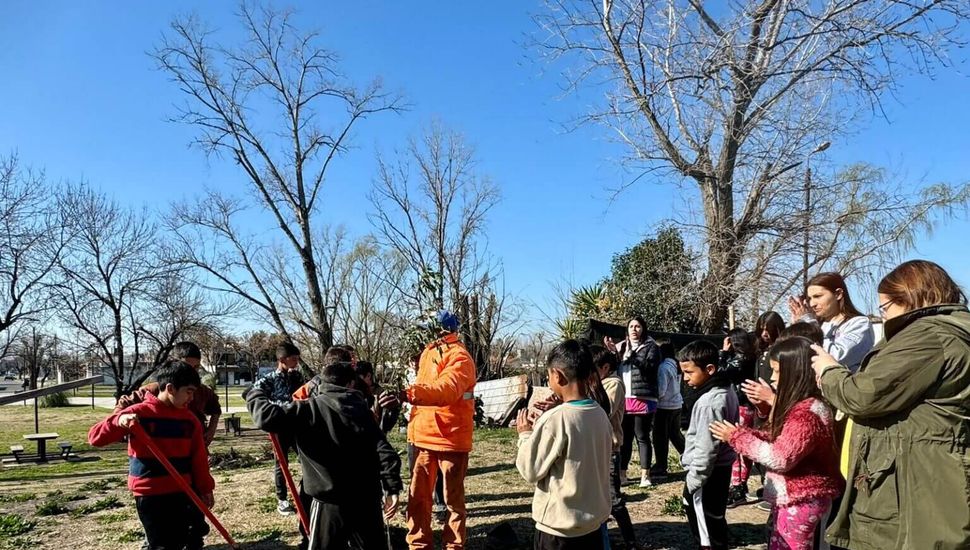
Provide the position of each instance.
(567, 456)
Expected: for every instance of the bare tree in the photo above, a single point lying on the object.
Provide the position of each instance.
(534, 347)
(32, 238)
(278, 107)
(259, 346)
(8, 341)
(109, 266)
(862, 221)
(37, 352)
(732, 100)
(173, 308)
(208, 236)
(363, 283)
(212, 341)
(430, 207)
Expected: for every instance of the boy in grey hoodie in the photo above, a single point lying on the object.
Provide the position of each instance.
(706, 460)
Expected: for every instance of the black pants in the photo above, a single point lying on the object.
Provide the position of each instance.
(171, 522)
(355, 526)
(545, 541)
(666, 431)
(287, 443)
(438, 497)
(307, 502)
(618, 503)
(639, 426)
(705, 509)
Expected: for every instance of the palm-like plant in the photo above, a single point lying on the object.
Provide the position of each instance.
(588, 302)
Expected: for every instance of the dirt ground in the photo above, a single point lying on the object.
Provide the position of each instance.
(86, 505)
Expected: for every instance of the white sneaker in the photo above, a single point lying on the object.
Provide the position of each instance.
(645, 480)
(285, 508)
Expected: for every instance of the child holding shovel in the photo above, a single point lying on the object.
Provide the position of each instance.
(347, 462)
(169, 517)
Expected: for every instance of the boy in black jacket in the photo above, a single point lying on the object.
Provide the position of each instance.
(345, 457)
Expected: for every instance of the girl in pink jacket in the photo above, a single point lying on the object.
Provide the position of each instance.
(797, 447)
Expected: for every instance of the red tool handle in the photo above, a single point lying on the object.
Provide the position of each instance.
(285, 467)
(139, 432)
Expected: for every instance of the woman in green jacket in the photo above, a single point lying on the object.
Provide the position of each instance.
(909, 464)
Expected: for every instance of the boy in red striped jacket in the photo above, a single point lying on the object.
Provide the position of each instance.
(167, 514)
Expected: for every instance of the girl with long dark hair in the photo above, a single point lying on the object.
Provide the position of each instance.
(797, 447)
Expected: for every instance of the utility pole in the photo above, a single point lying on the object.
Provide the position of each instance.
(808, 206)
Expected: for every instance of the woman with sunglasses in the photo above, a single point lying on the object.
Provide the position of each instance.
(909, 455)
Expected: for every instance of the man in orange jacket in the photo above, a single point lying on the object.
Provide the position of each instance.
(441, 426)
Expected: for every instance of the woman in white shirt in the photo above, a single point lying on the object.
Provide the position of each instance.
(847, 333)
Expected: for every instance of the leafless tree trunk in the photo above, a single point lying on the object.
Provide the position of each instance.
(107, 268)
(32, 238)
(733, 100)
(280, 81)
(37, 351)
(431, 207)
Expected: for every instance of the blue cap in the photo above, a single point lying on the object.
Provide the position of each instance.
(447, 320)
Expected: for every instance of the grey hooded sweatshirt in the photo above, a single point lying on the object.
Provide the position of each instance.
(702, 453)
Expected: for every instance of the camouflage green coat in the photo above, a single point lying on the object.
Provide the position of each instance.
(909, 464)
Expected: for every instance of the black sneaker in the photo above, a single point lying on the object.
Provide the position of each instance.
(737, 496)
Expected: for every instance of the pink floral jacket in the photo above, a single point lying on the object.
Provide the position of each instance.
(802, 462)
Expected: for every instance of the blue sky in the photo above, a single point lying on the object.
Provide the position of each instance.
(82, 99)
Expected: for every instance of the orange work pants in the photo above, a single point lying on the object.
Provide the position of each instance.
(453, 466)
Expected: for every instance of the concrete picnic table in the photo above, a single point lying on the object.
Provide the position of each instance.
(41, 440)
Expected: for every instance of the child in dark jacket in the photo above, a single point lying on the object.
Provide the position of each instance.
(739, 358)
(346, 459)
(168, 515)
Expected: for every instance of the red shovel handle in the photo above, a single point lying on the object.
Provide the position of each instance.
(139, 432)
(285, 467)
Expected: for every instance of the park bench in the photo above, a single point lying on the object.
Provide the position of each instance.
(65, 449)
(17, 450)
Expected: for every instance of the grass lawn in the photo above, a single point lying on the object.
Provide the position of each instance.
(86, 504)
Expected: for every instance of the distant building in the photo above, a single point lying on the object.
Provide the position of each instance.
(134, 368)
(234, 367)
